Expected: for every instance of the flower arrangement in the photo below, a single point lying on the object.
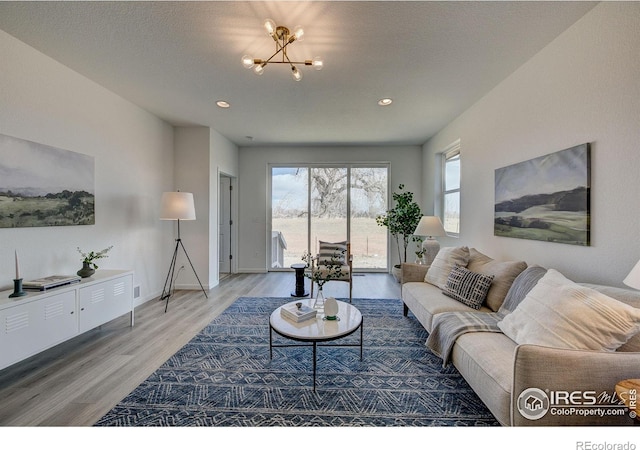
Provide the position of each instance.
(332, 269)
(90, 257)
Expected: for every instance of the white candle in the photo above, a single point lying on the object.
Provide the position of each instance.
(17, 266)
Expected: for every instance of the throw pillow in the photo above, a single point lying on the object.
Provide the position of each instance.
(468, 287)
(521, 287)
(445, 260)
(504, 272)
(562, 314)
(332, 253)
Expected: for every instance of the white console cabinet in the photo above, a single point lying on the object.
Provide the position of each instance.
(40, 320)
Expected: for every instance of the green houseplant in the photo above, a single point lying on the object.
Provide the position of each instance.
(401, 220)
(88, 261)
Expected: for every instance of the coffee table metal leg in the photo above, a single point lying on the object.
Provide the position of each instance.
(270, 342)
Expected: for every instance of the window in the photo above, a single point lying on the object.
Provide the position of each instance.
(328, 203)
(451, 189)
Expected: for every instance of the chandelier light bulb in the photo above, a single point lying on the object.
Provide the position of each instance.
(247, 61)
(295, 73)
(259, 70)
(298, 32)
(270, 26)
(317, 63)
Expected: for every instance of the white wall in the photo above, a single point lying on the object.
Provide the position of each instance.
(43, 101)
(192, 175)
(224, 160)
(405, 167)
(200, 155)
(583, 87)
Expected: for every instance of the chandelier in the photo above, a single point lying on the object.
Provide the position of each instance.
(283, 38)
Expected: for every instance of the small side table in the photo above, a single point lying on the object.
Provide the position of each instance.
(299, 292)
(629, 392)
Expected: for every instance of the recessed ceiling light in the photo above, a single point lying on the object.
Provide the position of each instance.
(385, 101)
(223, 104)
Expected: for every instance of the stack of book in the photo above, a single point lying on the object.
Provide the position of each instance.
(42, 284)
(295, 314)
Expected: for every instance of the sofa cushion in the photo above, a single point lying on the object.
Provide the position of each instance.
(426, 300)
(560, 313)
(444, 261)
(504, 273)
(485, 360)
(521, 286)
(628, 296)
(467, 287)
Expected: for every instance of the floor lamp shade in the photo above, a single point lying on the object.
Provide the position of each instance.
(177, 206)
(633, 279)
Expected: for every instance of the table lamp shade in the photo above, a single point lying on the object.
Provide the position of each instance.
(177, 206)
(633, 279)
(430, 226)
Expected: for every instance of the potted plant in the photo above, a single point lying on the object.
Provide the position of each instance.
(88, 261)
(401, 220)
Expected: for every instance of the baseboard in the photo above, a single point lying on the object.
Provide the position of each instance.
(252, 271)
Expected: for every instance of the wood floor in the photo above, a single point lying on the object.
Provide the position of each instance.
(76, 383)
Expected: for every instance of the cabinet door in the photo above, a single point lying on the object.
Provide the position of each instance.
(31, 327)
(102, 302)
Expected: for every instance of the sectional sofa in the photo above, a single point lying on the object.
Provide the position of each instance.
(537, 348)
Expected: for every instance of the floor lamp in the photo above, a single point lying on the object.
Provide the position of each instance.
(177, 206)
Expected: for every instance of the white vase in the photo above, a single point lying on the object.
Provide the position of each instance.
(330, 308)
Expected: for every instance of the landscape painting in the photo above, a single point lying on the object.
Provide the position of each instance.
(546, 198)
(44, 186)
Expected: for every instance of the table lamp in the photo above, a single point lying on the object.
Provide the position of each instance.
(430, 226)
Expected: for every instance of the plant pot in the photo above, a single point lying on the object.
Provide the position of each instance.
(86, 270)
(396, 271)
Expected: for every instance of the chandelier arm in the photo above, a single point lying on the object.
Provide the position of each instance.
(281, 48)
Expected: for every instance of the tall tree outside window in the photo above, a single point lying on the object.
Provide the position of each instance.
(328, 203)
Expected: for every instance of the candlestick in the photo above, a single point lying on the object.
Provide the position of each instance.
(17, 288)
(17, 266)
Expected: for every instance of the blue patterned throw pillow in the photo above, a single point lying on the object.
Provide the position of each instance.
(467, 287)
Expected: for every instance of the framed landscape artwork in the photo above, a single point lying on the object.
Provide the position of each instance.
(44, 186)
(546, 198)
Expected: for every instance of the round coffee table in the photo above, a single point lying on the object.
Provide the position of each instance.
(318, 330)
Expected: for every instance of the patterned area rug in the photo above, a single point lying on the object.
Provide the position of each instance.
(224, 377)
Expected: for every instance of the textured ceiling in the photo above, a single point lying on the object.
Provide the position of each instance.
(175, 59)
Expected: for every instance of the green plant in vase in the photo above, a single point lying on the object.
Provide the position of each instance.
(331, 270)
(89, 265)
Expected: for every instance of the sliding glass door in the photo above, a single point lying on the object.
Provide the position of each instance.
(328, 203)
